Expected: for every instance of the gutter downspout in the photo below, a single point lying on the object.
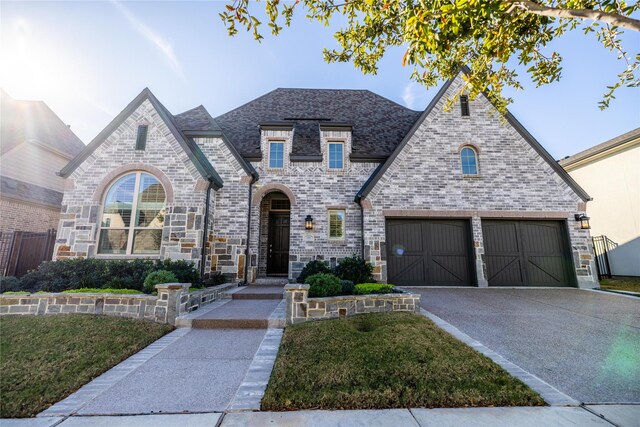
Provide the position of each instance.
(205, 230)
(254, 178)
(359, 202)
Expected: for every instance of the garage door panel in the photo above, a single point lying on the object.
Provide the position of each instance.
(428, 252)
(526, 253)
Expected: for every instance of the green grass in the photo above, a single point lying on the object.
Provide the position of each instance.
(630, 284)
(44, 359)
(102, 291)
(385, 360)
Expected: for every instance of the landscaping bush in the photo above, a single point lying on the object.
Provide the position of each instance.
(101, 290)
(355, 269)
(313, 267)
(157, 277)
(347, 287)
(214, 279)
(324, 285)
(9, 284)
(183, 270)
(373, 288)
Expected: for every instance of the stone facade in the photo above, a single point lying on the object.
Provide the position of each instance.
(300, 308)
(513, 181)
(22, 216)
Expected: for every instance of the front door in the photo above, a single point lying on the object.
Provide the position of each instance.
(278, 244)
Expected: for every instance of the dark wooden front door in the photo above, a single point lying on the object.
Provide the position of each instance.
(278, 244)
(527, 253)
(429, 252)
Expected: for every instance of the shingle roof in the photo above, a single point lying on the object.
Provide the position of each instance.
(23, 121)
(378, 124)
(196, 119)
(600, 148)
(29, 192)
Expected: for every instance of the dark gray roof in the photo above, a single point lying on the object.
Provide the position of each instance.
(21, 190)
(378, 124)
(24, 121)
(600, 148)
(196, 119)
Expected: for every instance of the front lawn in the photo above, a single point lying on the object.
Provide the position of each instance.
(385, 360)
(44, 359)
(629, 284)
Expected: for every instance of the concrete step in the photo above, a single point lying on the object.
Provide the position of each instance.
(259, 292)
(238, 314)
(230, 323)
(271, 281)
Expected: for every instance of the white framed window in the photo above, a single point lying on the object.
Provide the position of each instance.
(276, 154)
(336, 224)
(132, 216)
(469, 161)
(336, 155)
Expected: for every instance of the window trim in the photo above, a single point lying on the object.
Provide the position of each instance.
(275, 141)
(134, 211)
(329, 144)
(475, 156)
(344, 225)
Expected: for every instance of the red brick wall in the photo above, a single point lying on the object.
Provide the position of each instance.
(16, 215)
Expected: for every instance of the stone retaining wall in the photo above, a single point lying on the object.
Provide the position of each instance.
(173, 299)
(300, 308)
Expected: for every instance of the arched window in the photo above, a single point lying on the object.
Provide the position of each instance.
(133, 216)
(469, 160)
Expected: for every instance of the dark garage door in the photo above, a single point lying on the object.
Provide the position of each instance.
(428, 252)
(526, 253)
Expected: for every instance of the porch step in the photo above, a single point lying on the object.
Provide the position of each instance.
(259, 292)
(238, 314)
(271, 281)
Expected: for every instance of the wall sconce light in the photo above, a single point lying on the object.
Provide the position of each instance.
(584, 221)
(308, 223)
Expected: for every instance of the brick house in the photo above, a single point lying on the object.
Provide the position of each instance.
(465, 197)
(35, 145)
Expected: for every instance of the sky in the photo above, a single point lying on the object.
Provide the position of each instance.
(88, 60)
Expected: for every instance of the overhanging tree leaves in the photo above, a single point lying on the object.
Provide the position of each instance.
(439, 36)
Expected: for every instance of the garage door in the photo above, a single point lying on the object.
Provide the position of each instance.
(428, 252)
(527, 253)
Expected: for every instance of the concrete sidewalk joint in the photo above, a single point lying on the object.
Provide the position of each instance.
(254, 384)
(90, 391)
(550, 394)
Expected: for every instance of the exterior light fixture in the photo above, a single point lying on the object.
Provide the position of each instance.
(308, 223)
(584, 221)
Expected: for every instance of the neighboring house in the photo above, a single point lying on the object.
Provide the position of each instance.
(34, 145)
(429, 198)
(610, 172)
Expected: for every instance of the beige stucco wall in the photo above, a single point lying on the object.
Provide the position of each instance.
(613, 181)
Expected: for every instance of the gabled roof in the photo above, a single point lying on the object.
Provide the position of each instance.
(379, 172)
(378, 124)
(601, 148)
(188, 145)
(29, 121)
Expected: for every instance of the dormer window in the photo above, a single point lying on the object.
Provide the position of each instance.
(276, 154)
(336, 155)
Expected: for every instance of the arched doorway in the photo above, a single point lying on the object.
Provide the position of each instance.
(275, 219)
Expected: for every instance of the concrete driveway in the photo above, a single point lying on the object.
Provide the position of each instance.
(584, 343)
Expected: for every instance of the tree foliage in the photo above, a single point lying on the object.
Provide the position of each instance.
(490, 36)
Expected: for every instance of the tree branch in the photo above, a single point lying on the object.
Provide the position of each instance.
(595, 15)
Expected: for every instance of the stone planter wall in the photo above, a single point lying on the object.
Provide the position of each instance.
(300, 308)
(173, 299)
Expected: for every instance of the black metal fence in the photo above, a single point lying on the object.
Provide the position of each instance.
(601, 246)
(21, 251)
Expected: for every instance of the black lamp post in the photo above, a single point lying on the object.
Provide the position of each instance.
(584, 221)
(308, 223)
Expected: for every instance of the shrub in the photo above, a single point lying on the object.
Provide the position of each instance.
(102, 290)
(157, 277)
(184, 271)
(324, 285)
(373, 288)
(214, 279)
(355, 269)
(313, 267)
(9, 284)
(347, 287)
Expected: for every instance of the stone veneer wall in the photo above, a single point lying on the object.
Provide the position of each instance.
(426, 180)
(164, 158)
(315, 189)
(16, 215)
(300, 308)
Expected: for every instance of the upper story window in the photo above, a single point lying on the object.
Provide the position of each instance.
(133, 216)
(469, 160)
(276, 154)
(336, 155)
(141, 138)
(464, 105)
(336, 224)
